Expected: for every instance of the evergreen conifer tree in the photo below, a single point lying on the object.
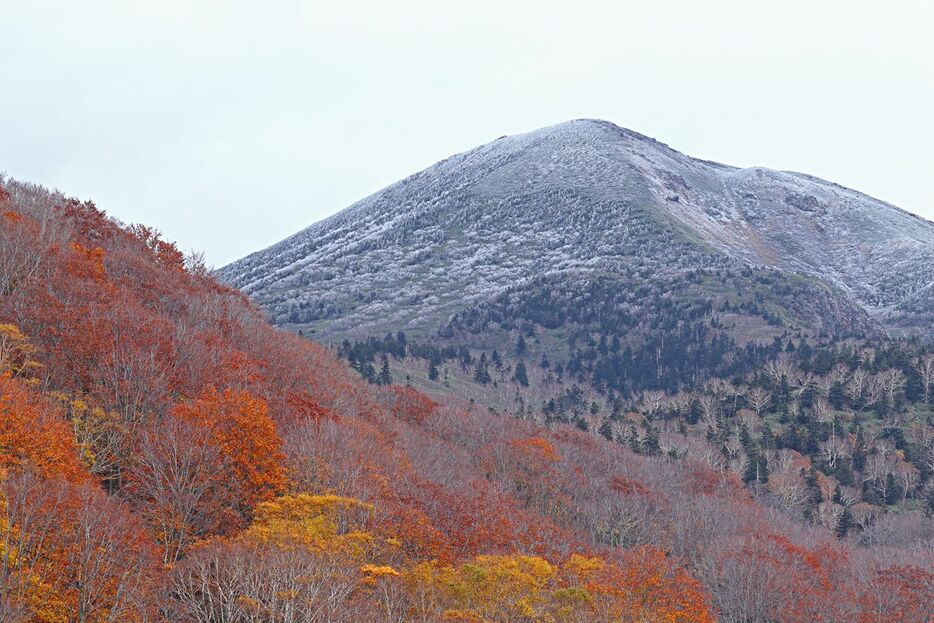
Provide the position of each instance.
(521, 375)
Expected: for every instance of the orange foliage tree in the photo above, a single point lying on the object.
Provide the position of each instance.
(644, 585)
(411, 405)
(32, 433)
(246, 436)
(533, 464)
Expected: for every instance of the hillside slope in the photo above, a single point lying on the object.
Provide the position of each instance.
(168, 456)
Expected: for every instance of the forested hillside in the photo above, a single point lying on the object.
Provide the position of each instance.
(167, 455)
(836, 431)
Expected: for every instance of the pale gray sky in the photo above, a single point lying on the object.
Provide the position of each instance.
(230, 124)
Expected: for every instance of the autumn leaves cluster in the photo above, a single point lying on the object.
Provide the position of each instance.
(319, 554)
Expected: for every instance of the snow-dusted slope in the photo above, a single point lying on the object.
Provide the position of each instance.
(580, 197)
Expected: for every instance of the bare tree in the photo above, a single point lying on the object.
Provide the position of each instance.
(824, 384)
(710, 410)
(829, 515)
(803, 383)
(839, 374)
(878, 468)
(760, 399)
(109, 561)
(922, 436)
(786, 458)
(892, 382)
(833, 450)
(925, 367)
(652, 402)
(176, 479)
(680, 403)
(907, 477)
(779, 368)
(790, 489)
(857, 385)
(238, 582)
(850, 495)
(865, 515)
(874, 391)
(824, 414)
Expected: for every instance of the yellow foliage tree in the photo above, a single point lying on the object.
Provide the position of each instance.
(330, 533)
(15, 351)
(323, 524)
(644, 587)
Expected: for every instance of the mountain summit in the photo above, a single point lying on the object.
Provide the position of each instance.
(586, 200)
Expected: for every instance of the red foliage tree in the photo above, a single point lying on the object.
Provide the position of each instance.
(898, 593)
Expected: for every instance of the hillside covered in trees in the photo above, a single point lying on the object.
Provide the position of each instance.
(167, 455)
(845, 426)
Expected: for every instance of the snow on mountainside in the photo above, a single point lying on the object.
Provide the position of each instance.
(582, 197)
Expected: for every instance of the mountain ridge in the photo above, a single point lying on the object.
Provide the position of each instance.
(590, 184)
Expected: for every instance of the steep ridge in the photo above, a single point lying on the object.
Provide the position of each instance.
(589, 198)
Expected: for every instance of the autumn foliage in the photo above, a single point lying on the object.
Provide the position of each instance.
(34, 435)
(331, 533)
(238, 424)
(165, 454)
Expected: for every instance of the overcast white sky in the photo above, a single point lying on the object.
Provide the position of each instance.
(231, 124)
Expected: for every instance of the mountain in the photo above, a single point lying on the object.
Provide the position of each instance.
(587, 205)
